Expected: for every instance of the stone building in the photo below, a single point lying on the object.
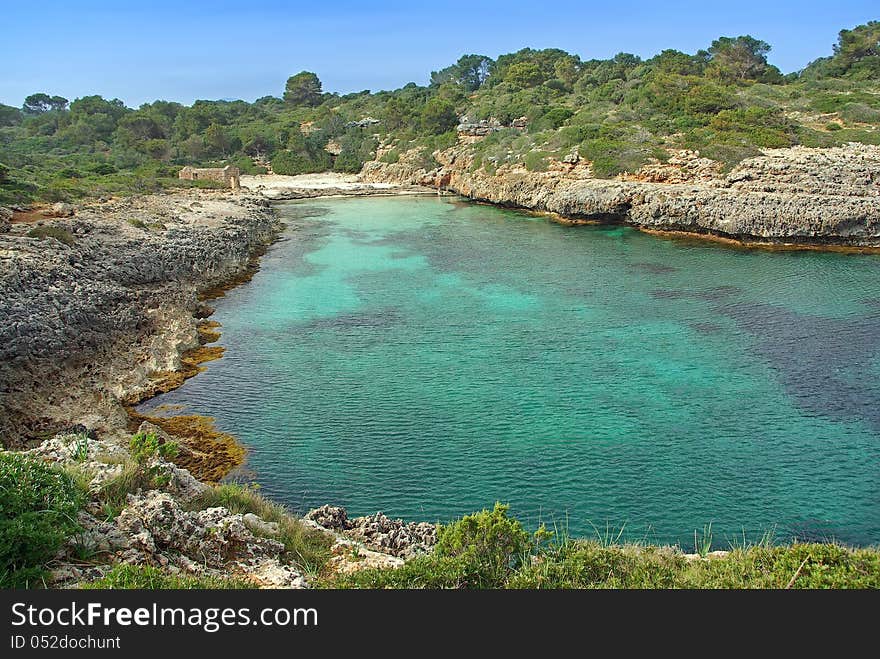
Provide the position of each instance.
(229, 175)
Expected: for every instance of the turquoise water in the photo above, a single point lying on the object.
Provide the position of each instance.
(426, 357)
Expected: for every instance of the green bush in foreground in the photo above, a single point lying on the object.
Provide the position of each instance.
(38, 508)
(489, 543)
(146, 577)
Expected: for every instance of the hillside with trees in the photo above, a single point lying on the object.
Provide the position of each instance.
(726, 101)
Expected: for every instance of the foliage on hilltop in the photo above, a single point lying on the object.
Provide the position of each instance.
(727, 101)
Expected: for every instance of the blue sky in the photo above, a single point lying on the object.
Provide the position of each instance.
(187, 50)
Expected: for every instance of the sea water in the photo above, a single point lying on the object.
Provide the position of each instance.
(425, 357)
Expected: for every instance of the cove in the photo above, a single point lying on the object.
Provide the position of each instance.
(425, 357)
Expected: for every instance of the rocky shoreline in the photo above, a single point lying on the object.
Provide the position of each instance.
(170, 523)
(99, 301)
(105, 306)
(104, 301)
(796, 196)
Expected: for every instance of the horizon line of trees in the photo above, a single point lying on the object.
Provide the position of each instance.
(670, 92)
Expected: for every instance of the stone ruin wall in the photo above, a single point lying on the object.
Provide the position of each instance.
(229, 175)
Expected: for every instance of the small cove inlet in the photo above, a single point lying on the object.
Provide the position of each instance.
(425, 357)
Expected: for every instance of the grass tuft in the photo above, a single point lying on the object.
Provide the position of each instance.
(59, 234)
(307, 548)
(125, 577)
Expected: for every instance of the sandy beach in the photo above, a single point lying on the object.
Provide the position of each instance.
(277, 186)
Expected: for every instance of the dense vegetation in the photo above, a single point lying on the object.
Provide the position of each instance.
(490, 550)
(727, 101)
(38, 508)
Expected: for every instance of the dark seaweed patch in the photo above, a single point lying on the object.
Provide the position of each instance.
(825, 364)
(379, 319)
(655, 268)
(707, 328)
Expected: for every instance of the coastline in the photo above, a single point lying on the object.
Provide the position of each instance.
(820, 199)
(161, 519)
(208, 455)
(187, 355)
(213, 453)
(221, 453)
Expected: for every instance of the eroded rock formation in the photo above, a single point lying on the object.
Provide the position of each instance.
(798, 195)
(107, 297)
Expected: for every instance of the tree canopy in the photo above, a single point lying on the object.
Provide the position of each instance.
(738, 58)
(39, 103)
(857, 52)
(470, 71)
(726, 101)
(304, 88)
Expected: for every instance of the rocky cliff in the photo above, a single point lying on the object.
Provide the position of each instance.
(796, 195)
(94, 302)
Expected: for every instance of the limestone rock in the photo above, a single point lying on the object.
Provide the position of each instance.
(160, 532)
(102, 460)
(814, 196)
(260, 526)
(479, 128)
(5, 219)
(81, 328)
(330, 517)
(682, 167)
(852, 170)
(394, 537)
(349, 556)
(60, 209)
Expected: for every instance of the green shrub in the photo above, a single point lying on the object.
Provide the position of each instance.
(536, 161)
(438, 116)
(104, 168)
(59, 234)
(246, 166)
(489, 542)
(291, 163)
(390, 157)
(708, 98)
(429, 571)
(123, 577)
(763, 127)
(730, 155)
(860, 113)
(38, 508)
(591, 565)
(554, 118)
(833, 126)
(611, 157)
(348, 162)
(146, 446)
(588, 564)
(830, 102)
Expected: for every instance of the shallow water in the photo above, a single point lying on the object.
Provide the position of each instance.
(426, 357)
